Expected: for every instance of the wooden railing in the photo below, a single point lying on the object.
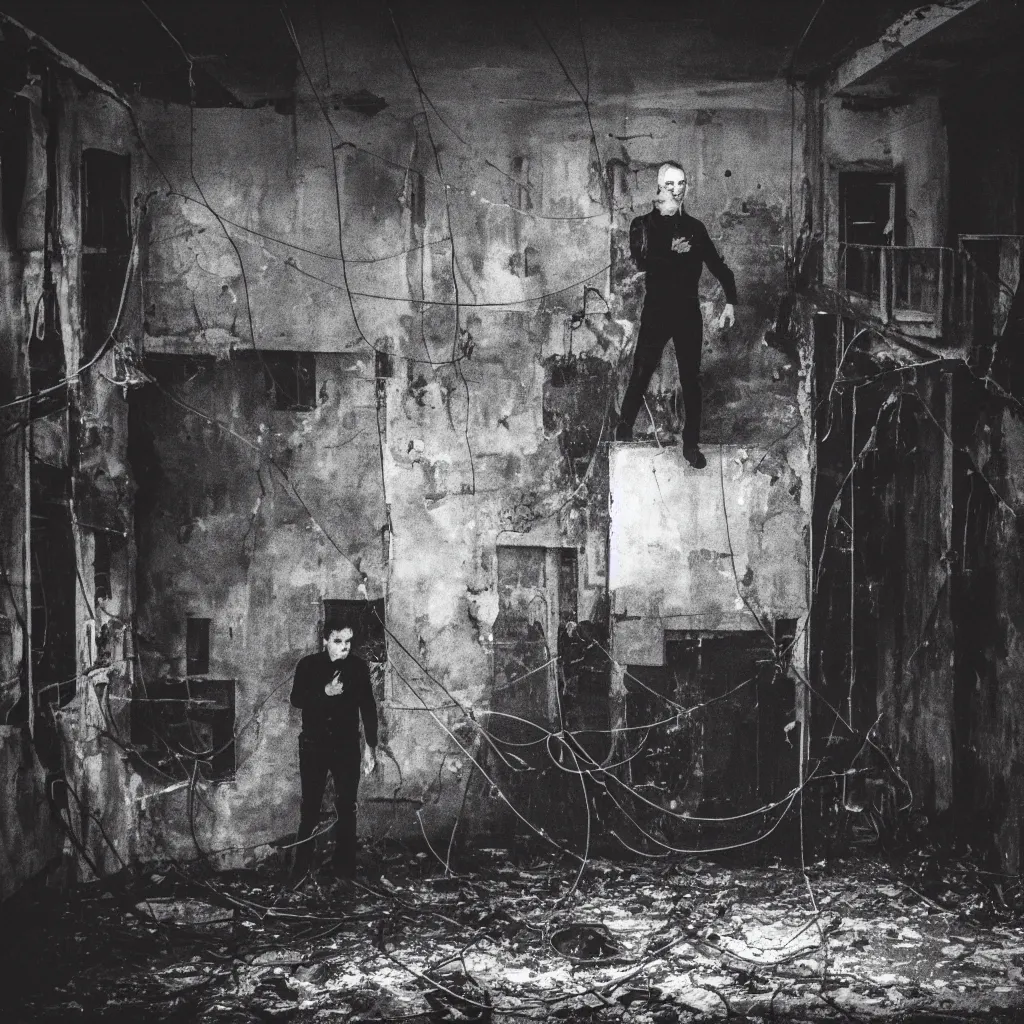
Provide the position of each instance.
(906, 286)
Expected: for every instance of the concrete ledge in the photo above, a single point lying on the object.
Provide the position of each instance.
(715, 549)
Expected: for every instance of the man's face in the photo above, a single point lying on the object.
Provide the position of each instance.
(339, 643)
(673, 183)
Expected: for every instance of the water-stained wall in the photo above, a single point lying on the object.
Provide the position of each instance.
(459, 273)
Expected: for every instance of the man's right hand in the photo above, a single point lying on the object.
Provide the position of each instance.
(334, 688)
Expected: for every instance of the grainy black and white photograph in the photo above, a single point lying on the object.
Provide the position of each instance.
(511, 513)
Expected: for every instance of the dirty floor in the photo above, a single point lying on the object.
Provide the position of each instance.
(858, 940)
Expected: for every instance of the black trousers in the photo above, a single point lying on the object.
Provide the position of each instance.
(316, 759)
(659, 322)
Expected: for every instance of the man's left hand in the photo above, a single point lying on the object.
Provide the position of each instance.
(369, 761)
(728, 317)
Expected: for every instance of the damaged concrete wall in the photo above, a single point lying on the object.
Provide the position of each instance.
(249, 527)
(883, 595)
(495, 386)
(985, 170)
(95, 724)
(66, 649)
(990, 659)
(887, 480)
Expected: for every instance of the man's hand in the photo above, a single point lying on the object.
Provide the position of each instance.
(728, 317)
(369, 761)
(680, 245)
(334, 688)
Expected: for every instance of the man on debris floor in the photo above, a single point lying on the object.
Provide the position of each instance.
(672, 249)
(333, 690)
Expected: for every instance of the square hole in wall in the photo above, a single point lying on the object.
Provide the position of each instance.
(290, 379)
(181, 727)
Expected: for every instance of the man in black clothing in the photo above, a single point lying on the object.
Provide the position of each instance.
(672, 249)
(333, 689)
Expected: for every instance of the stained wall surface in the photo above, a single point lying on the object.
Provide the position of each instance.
(466, 380)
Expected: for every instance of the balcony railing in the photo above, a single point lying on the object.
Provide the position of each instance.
(907, 286)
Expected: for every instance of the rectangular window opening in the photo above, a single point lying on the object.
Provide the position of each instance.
(197, 647)
(288, 377)
(537, 614)
(15, 138)
(869, 220)
(106, 242)
(184, 727)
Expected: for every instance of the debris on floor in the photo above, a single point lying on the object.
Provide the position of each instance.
(646, 942)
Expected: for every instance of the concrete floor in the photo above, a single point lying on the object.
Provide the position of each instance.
(916, 940)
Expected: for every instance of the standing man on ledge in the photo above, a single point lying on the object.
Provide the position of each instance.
(672, 249)
(333, 689)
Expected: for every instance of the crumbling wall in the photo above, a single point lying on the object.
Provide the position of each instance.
(470, 379)
(71, 436)
(882, 629)
(94, 724)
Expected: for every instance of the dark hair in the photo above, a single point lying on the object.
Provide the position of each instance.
(336, 622)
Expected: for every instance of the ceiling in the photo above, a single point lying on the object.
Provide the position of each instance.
(241, 53)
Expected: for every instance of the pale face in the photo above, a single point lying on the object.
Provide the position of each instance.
(339, 644)
(672, 182)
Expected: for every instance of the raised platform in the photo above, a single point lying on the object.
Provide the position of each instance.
(718, 549)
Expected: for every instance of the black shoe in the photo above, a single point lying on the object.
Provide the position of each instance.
(623, 432)
(694, 456)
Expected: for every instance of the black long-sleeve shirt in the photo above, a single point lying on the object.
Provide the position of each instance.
(675, 275)
(334, 720)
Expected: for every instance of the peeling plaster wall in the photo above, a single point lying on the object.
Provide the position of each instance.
(70, 743)
(501, 447)
(95, 724)
(225, 535)
(29, 834)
